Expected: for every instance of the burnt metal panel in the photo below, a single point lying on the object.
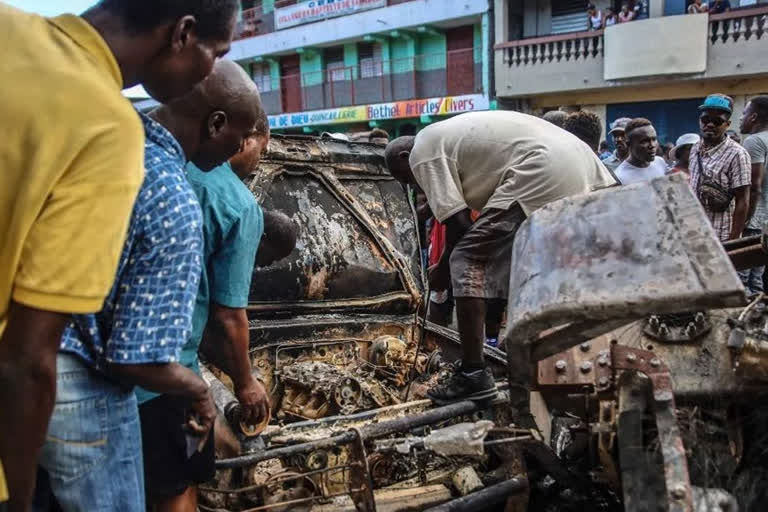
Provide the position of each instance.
(583, 265)
(358, 245)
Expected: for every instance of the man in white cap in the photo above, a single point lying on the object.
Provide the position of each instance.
(681, 153)
(620, 143)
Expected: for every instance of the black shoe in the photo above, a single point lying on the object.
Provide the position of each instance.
(476, 385)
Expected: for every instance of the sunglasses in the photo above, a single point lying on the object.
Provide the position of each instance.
(715, 121)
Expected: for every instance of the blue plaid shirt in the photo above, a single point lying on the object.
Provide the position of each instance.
(147, 316)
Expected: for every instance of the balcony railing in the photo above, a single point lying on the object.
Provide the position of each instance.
(564, 47)
(730, 26)
(375, 81)
(250, 21)
(576, 61)
(741, 24)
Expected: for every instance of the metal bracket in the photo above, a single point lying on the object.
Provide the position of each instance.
(676, 477)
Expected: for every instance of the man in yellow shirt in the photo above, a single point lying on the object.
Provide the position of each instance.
(72, 156)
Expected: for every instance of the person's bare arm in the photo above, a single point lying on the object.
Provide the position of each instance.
(741, 195)
(28, 351)
(226, 345)
(172, 379)
(455, 227)
(756, 188)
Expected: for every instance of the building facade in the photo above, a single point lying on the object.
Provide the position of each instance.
(353, 65)
(659, 66)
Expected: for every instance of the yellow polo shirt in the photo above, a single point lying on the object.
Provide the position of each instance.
(71, 163)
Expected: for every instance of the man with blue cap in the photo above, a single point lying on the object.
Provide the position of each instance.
(721, 174)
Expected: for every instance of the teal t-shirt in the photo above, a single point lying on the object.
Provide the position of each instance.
(232, 227)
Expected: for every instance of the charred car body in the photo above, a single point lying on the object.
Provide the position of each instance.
(615, 318)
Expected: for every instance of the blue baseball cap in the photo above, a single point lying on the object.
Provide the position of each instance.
(718, 102)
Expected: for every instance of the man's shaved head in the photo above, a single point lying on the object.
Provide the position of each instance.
(397, 153)
(247, 160)
(278, 240)
(213, 120)
(556, 117)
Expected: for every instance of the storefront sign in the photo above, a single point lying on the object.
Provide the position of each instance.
(396, 110)
(315, 10)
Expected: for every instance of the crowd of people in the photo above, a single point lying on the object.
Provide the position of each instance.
(725, 172)
(479, 175)
(631, 10)
(129, 240)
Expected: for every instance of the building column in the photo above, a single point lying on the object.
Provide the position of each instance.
(486, 51)
(501, 18)
(655, 8)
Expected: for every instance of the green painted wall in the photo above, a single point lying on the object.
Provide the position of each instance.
(477, 42)
(350, 61)
(401, 51)
(311, 63)
(274, 73)
(386, 66)
(268, 6)
(485, 45)
(431, 50)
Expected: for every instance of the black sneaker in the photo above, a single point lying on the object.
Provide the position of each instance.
(476, 385)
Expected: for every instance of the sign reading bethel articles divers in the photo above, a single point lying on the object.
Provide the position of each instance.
(395, 110)
(315, 10)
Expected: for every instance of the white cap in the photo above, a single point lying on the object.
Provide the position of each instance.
(683, 140)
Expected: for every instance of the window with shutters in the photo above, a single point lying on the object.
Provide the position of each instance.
(569, 16)
(334, 64)
(370, 59)
(261, 76)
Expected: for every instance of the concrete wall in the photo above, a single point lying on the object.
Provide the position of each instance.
(729, 60)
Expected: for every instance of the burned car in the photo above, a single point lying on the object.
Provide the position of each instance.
(603, 304)
(338, 341)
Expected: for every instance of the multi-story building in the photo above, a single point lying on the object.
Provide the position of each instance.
(660, 67)
(351, 65)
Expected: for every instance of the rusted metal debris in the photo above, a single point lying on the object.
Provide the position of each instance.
(615, 309)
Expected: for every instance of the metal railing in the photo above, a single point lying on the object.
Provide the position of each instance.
(250, 21)
(451, 73)
(741, 24)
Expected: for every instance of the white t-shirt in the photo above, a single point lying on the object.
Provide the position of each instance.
(628, 173)
(491, 159)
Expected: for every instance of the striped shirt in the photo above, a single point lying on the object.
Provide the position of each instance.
(726, 164)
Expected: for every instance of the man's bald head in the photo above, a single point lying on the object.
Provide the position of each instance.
(216, 116)
(397, 154)
(556, 117)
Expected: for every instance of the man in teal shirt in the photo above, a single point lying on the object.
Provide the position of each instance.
(233, 225)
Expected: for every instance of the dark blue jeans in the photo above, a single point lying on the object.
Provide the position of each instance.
(92, 451)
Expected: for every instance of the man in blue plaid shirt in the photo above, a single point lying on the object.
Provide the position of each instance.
(93, 450)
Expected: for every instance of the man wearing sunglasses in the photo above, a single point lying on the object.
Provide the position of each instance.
(720, 169)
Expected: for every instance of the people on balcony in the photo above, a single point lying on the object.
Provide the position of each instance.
(698, 7)
(720, 6)
(626, 14)
(610, 17)
(594, 17)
